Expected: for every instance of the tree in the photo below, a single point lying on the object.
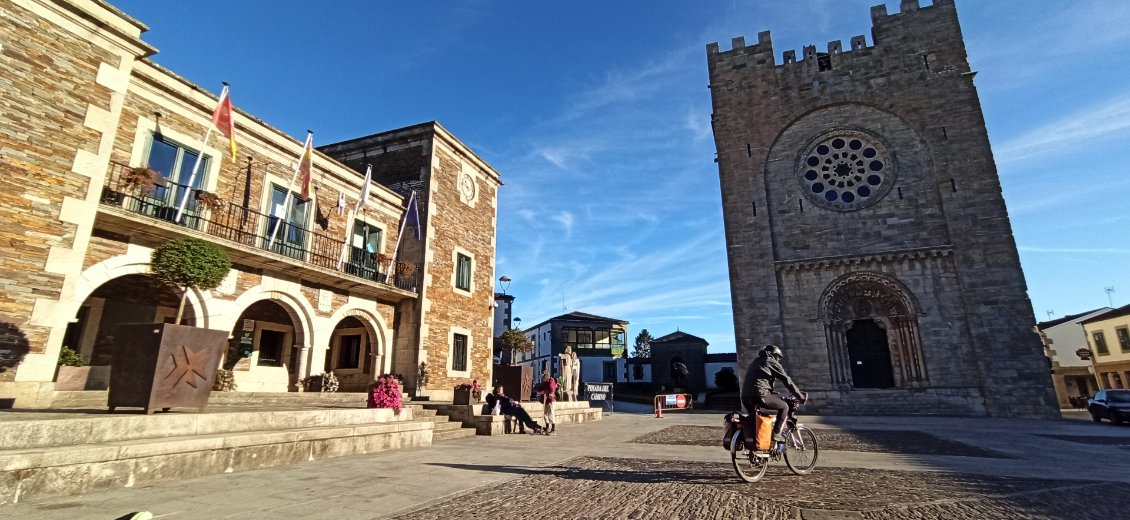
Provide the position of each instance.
(643, 345)
(189, 263)
(513, 340)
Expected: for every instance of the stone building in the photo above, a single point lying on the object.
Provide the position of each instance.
(1065, 345)
(83, 107)
(1108, 336)
(598, 341)
(865, 225)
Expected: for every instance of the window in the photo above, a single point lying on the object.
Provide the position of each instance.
(609, 372)
(459, 353)
(290, 236)
(1100, 342)
(637, 372)
(364, 245)
(462, 272)
(1123, 334)
(349, 351)
(174, 162)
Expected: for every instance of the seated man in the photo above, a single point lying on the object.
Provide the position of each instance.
(509, 407)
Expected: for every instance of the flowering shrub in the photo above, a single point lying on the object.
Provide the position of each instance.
(225, 381)
(476, 390)
(326, 382)
(385, 393)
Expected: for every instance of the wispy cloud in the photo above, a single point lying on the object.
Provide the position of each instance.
(566, 220)
(1106, 119)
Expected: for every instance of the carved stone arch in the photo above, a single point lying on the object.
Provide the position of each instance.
(380, 335)
(870, 296)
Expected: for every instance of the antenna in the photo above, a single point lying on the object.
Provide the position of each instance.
(1109, 292)
(1050, 313)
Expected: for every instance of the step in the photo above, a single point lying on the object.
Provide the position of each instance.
(60, 429)
(224, 444)
(566, 412)
(447, 435)
(97, 399)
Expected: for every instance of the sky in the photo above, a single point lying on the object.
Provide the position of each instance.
(597, 117)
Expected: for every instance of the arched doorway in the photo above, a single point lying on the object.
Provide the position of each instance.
(263, 352)
(351, 355)
(134, 298)
(871, 328)
(870, 355)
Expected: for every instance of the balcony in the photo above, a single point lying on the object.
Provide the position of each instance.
(246, 234)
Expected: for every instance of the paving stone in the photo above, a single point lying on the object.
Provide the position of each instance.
(875, 441)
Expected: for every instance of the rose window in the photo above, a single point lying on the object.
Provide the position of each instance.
(846, 170)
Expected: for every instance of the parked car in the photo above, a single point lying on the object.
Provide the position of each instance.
(1110, 404)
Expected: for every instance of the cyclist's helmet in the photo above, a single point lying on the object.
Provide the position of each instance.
(772, 350)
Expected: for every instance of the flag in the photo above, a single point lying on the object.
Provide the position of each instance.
(306, 165)
(223, 121)
(364, 197)
(412, 215)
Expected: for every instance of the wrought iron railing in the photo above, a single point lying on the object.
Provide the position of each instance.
(251, 228)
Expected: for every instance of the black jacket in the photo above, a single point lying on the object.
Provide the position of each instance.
(761, 374)
(505, 403)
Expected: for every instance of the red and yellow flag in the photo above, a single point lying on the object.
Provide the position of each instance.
(223, 121)
(306, 166)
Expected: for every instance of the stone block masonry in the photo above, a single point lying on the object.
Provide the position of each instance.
(865, 223)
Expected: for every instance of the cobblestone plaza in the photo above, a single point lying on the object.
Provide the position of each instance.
(637, 466)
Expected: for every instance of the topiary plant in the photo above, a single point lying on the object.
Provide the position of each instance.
(190, 263)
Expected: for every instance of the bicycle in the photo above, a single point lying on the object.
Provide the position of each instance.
(799, 449)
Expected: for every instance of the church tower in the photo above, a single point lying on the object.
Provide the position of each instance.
(865, 225)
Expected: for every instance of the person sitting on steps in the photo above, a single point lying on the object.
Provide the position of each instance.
(509, 407)
(757, 387)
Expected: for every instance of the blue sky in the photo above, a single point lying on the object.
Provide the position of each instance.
(597, 114)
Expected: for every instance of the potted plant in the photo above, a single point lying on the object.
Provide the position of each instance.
(385, 393)
(139, 177)
(73, 371)
(225, 381)
(210, 201)
(468, 393)
(325, 383)
(159, 366)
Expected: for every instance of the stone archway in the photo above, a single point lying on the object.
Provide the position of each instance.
(862, 311)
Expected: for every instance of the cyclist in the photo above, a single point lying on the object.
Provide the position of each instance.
(757, 386)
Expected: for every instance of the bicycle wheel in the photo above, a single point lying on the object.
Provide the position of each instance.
(801, 451)
(748, 466)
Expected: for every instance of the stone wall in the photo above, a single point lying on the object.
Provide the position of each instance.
(941, 230)
(63, 80)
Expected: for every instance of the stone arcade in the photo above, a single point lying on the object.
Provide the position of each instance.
(865, 224)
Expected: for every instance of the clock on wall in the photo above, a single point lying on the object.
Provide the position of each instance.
(467, 187)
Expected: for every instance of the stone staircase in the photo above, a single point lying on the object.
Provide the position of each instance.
(468, 416)
(77, 447)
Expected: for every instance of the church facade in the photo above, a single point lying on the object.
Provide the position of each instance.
(866, 229)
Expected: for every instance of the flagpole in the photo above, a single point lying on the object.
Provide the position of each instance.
(400, 234)
(361, 200)
(196, 165)
(286, 203)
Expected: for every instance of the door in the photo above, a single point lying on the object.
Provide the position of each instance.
(870, 356)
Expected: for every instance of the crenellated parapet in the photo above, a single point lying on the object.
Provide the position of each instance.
(885, 26)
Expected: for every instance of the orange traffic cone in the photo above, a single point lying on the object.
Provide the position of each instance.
(659, 412)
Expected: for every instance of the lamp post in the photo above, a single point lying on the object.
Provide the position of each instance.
(504, 283)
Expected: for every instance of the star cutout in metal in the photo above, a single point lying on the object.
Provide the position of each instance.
(188, 368)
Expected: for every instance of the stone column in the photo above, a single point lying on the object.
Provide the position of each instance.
(300, 367)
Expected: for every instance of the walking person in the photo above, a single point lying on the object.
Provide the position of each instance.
(547, 394)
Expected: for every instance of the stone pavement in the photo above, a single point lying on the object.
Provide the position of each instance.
(622, 467)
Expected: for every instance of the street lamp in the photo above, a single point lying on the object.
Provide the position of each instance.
(518, 323)
(504, 283)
